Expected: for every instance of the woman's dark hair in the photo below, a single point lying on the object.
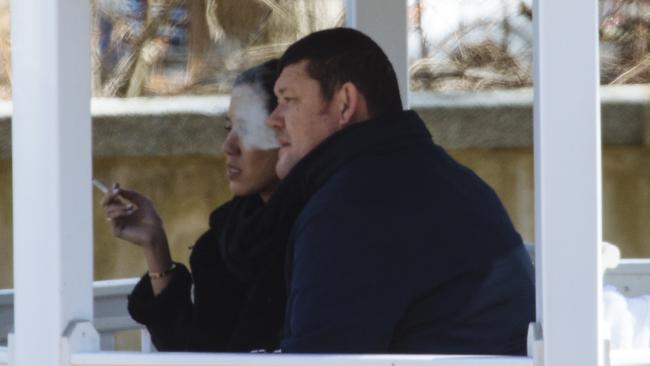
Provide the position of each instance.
(341, 55)
(262, 77)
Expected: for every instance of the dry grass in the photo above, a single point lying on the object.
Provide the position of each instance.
(224, 37)
(625, 53)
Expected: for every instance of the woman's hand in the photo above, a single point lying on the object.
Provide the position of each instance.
(135, 220)
(138, 222)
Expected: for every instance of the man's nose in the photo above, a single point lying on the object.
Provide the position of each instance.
(276, 118)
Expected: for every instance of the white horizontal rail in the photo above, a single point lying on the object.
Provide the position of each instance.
(617, 358)
(6, 314)
(4, 356)
(227, 359)
(110, 302)
(636, 357)
(631, 277)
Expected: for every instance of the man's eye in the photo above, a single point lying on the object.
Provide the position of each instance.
(227, 128)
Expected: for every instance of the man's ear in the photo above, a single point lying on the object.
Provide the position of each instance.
(350, 105)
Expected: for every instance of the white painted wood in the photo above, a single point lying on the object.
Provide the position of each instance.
(6, 315)
(79, 336)
(110, 312)
(385, 22)
(11, 350)
(568, 181)
(226, 359)
(631, 277)
(51, 144)
(110, 305)
(639, 357)
(4, 356)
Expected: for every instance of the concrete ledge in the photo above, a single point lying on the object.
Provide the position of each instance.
(502, 119)
(194, 124)
(159, 126)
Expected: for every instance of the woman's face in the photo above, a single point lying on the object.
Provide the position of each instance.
(251, 147)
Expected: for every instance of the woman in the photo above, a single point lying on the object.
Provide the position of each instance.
(239, 293)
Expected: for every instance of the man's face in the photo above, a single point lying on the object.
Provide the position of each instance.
(303, 119)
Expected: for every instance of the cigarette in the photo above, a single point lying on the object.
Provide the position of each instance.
(100, 186)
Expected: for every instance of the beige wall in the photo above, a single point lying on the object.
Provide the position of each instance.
(626, 191)
(186, 188)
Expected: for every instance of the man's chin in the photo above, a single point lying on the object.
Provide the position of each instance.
(283, 167)
(281, 172)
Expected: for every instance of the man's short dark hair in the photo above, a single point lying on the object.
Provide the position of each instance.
(341, 55)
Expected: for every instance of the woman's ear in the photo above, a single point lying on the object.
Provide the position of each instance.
(351, 105)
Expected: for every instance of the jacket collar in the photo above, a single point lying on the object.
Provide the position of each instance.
(383, 133)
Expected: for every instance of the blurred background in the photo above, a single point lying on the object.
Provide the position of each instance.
(174, 47)
(162, 69)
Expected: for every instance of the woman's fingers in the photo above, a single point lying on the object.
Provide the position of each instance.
(118, 226)
(116, 192)
(114, 211)
(113, 196)
(133, 196)
(131, 215)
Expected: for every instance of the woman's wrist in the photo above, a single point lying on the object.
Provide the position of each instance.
(155, 240)
(157, 253)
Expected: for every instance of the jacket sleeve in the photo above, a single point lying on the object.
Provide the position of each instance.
(344, 294)
(167, 316)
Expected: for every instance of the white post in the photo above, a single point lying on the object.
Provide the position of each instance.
(568, 181)
(51, 141)
(385, 22)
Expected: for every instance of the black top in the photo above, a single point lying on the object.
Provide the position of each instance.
(401, 249)
(239, 289)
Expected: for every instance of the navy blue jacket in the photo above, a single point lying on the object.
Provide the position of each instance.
(401, 249)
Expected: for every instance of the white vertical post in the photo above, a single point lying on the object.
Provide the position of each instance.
(568, 224)
(51, 141)
(385, 22)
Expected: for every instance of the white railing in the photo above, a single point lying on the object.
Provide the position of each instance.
(111, 315)
(6, 314)
(4, 356)
(617, 358)
(630, 357)
(225, 359)
(631, 277)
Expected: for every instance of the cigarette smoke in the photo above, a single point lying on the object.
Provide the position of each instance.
(248, 117)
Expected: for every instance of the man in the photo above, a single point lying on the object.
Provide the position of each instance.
(397, 248)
